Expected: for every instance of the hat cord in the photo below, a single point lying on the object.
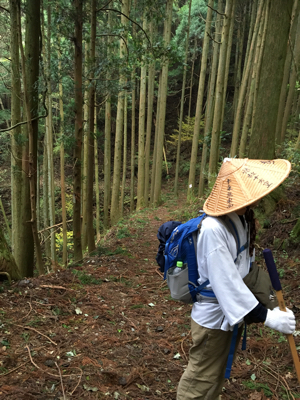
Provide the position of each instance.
(250, 219)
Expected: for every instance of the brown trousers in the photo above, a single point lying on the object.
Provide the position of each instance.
(204, 377)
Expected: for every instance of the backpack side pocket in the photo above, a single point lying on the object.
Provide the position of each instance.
(178, 285)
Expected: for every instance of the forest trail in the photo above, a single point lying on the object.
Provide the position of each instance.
(108, 328)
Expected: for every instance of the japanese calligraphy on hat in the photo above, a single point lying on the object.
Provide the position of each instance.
(242, 181)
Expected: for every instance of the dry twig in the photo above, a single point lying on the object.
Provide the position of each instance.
(186, 359)
(35, 330)
(29, 310)
(54, 287)
(276, 376)
(12, 370)
(61, 381)
(41, 369)
(158, 272)
(123, 315)
(81, 373)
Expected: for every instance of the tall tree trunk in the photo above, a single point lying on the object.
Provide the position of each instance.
(30, 73)
(132, 151)
(115, 211)
(46, 163)
(228, 55)
(243, 88)
(219, 104)
(254, 14)
(153, 172)
(91, 156)
(7, 261)
(262, 141)
(96, 175)
(124, 158)
(238, 58)
(292, 83)
(182, 100)
(107, 140)
(38, 191)
(210, 98)
(163, 101)
(16, 146)
(151, 82)
(252, 84)
(142, 113)
(78, 132)
(192, 78)
(195, 144)
(297, 112)
(25, 246)
(50, 138)
(297, 146)
(46, 220)
(133, 99)
(260, 60)
(62, 164)
(287, 68)
(85, 149)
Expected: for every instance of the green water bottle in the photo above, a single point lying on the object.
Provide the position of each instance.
(178, 268)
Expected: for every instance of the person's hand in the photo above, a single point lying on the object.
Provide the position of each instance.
(281, 321)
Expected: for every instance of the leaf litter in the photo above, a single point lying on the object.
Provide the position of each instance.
(109, 329)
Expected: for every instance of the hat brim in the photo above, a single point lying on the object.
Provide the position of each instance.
(241, 182)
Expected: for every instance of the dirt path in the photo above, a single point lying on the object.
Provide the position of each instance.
(109, 329)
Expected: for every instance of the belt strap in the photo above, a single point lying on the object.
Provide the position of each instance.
(232, 348)
(231, 351)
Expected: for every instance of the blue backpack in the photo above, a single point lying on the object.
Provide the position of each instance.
(180, 245)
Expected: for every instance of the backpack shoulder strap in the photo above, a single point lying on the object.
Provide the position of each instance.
(195, 233)
(232, 228)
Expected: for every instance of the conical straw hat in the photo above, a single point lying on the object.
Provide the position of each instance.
(241, 182)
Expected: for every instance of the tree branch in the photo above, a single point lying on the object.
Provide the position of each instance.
(33, 119)
(103, 8)
(216, 11)
(4, 9)
(117, 11)
(213, 39)
(53, 226)
(23, 123)
(120, 36)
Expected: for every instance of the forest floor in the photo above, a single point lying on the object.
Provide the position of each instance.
(108, 328)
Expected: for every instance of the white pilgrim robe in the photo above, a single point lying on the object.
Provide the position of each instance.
(216, 252)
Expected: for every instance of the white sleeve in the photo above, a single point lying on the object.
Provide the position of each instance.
(234, 297)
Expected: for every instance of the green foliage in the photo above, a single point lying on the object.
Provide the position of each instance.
(4, 116)
(197, 24)
(258, 386)
(59, 241)
(35, 322)
(123, 233)
(69, 205)
(184, 168)
(58, 211)
(295, 234)
(187, 132)
(281, 272)
(190, 210)
(25, 336)
(137, 306)
(5, 342)
(107, 252)
(86, 279)
(289, 153)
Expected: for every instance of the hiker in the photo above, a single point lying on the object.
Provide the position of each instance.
(238, 187)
